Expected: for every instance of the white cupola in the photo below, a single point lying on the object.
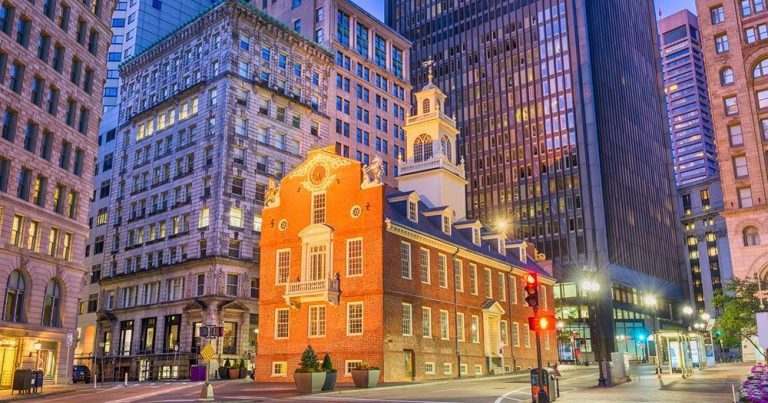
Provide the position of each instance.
(432, 168)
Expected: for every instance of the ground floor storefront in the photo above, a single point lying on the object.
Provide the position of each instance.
(43, 351)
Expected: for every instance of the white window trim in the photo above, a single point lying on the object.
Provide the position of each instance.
(460, 329)
(428, 372)
(447, 324)
(309, 321)
(443, 258)
(464, 369)
(410, 318)
(421, 266)
(473, 278)
(276, 323)
(458, 267)
(362, 257)
(346, 366)
(277, 263)
(513, 289)
(516, 329)
(428, 310)
(410, 260)
(284, 364)
(449, 366)
(362, 318)
(476, 324)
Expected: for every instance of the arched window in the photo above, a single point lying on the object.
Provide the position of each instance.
(761, 69)
(751, 236)
(445, 144)
(425, 106)
(422, 148)
(13, 311)
(726, 76)
(52, 304)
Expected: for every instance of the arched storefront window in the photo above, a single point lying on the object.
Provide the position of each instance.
(422, 148)
(13, 310)
(52, 304)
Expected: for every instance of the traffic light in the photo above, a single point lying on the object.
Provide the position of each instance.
(532, 288)
(541, 323)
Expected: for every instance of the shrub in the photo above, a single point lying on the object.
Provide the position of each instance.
(309, 361)
(227, 364)
(327, 364)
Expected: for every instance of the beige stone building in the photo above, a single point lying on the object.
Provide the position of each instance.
(208, 115)
(735, 43)
(51, 80)
(369, 87)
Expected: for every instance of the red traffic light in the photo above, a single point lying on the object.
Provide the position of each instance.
(530, 278)
(532, 288)
(541, 323)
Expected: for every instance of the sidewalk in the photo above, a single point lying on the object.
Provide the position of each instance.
(708, 385)
(7, 395)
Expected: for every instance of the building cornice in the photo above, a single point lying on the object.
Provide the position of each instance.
(425, 239)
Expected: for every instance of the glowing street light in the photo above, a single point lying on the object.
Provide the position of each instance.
(650, 300)
(705, 316)
(687, 310)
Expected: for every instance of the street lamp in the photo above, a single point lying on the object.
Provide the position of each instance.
(651, 301)
(591, 287)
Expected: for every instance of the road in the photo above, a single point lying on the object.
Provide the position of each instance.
(577, 385)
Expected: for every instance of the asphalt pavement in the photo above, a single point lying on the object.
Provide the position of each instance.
(578, 384)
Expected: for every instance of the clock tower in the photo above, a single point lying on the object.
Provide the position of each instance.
(432, 168)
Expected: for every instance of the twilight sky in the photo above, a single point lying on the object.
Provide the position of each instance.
(376, 7)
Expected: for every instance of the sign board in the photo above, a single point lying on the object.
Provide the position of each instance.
(70, 337)
(674, 354)
(207, 352)
(762, 328)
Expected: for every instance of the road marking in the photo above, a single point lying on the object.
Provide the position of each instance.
(344, 399)
(146, 395)
(528, 387)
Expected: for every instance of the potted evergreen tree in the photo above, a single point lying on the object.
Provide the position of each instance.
(365, 376)
(330, 373)
(243, 370)
(224, 370)
(234, 371)
(309, 378)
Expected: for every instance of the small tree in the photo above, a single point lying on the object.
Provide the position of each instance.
(327, 364)
(309, 361)
(737, 307)
(227, 364)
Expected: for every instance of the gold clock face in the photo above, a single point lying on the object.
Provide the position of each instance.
(318, 174)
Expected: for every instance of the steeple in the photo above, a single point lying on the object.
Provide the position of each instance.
(432, 168)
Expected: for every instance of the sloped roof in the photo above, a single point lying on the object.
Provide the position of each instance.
(396, 212)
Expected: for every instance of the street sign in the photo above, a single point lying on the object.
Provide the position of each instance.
(70, 337)
(207, 352)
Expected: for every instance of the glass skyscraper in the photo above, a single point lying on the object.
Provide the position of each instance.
(565, 142)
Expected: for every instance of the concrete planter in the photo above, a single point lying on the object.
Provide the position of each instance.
(366, 378)
(330, 381)
(309, 382)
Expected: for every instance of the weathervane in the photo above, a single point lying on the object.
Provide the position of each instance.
(428, 64)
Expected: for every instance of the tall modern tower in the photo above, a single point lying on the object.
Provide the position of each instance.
(562, 113)
(693, 143)
(694, 154)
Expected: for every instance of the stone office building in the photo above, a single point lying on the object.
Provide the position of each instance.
(394, 278)
(209, 115)
(370, 80)
(51, 80)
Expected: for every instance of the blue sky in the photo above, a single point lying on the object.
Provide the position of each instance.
(376, 7)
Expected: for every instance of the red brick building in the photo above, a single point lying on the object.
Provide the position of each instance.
(394, 278)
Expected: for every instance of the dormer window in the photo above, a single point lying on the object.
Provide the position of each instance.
(425, 106)
(500, 243)
(476, 236)
(446, 224)
(318, 208)
(413, 210)
(422, 148)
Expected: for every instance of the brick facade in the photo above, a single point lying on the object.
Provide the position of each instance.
(358, 210)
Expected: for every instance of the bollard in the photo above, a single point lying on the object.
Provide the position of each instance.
(126, 379)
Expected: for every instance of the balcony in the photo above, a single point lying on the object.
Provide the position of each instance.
(312, 291)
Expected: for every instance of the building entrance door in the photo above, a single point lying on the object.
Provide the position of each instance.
(7, 362)
(410, 364)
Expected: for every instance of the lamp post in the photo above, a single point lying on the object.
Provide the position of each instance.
(590, 288)
(650, 301)
(559, 326)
